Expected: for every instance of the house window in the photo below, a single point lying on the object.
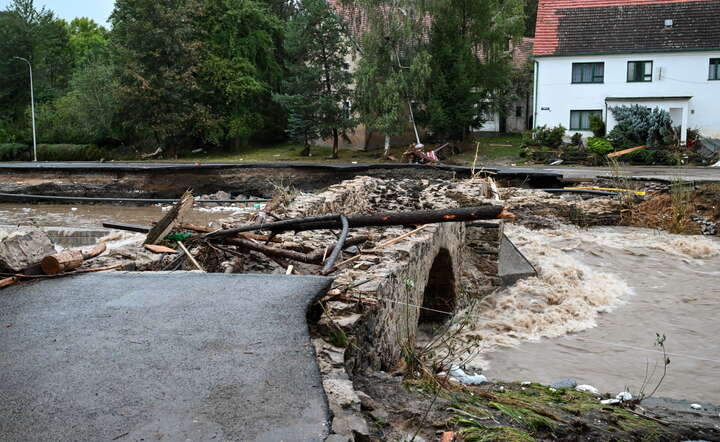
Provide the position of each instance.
(639, 71)
(518, 111)
(714, 69)
(580, 119)
(588, 72)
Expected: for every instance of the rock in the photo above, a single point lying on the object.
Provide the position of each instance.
(20, 249)
(351, 425)
(564, 383)
(624, 396)
(366, 402)
(379, 414)
(696, 406)
(347, 322)
(587, 388)
(342, 393)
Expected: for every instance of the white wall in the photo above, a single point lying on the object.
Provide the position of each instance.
(674, 75)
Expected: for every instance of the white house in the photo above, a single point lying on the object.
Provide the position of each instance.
(592, 55)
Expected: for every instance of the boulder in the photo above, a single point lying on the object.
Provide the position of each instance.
(20, 249)
(564, 383)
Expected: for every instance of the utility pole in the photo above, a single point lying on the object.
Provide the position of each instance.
(32, 106)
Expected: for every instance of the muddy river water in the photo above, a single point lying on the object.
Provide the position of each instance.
(594, 312)
(92, 216)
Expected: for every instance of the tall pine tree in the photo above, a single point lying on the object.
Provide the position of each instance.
(471, 64)
(319, 78)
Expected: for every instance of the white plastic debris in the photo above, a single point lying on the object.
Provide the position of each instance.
(526, 383)
(556, 163)
(74, 209)
(459, 375)
(610, 401)
(624, 396)
(696, 406)
(716, 164)
(587, 388)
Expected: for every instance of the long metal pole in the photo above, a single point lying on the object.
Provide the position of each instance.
(32, 107)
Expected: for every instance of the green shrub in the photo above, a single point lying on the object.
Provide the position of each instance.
(551, 137)
(637, 125)
(14, 152)
(599, 146)
(70, 152)
(576, 140)
(597, 126)
(650, 157)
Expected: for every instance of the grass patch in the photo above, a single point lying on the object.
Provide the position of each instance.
(475, 432)
(506, 146)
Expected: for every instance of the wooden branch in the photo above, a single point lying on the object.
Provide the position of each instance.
(7, 282)
(190, 257)
(381, 219)
(380, 246)
(274, 252)
(75, 272)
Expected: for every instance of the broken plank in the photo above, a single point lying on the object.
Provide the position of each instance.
(160, 249)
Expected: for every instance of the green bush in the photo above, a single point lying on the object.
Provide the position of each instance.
(650, 157)
(597, 126)
(637, 125)
(551, 137)
(14, 152)
(70, 152)
(599, 146)
(54, 152)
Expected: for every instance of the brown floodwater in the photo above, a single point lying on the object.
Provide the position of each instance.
(594, 312)
(92, 216)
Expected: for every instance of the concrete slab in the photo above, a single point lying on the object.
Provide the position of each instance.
(160, 356)
(512, 264)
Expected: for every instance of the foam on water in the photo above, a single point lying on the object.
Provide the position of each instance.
(568, 295)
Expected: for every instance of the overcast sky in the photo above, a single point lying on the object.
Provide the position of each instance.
(98, 10)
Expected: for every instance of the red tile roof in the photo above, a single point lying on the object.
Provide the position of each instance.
(565, 27)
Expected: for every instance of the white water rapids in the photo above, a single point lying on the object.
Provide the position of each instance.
(592, 313)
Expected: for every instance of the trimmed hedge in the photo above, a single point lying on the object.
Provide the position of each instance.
(53, 152)
(14, 152)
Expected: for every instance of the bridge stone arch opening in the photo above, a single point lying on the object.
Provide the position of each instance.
(440, 291)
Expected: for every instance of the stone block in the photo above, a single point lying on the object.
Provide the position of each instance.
(20, 249)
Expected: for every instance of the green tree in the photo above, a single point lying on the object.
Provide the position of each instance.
(159, 58)
(472, 73)
(319, 80)
(39, 37)
(88, 40)
(241, 66)
(394, 66)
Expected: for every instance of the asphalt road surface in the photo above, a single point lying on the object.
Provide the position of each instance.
(160, 356)
(667, 173)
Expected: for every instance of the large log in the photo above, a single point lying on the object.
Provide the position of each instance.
(380, 219)
(69, 260)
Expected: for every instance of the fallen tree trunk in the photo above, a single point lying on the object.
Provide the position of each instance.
(380, 219)
(69, 260)
(274, 252)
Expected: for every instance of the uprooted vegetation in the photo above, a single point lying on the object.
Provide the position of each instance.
(400, 409)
